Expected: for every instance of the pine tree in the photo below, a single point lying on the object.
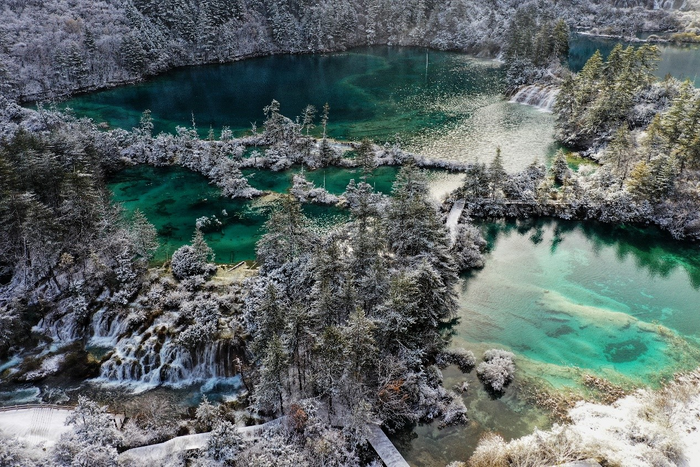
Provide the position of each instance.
(561, 40)
(560, 168)
(269, 392)
(361, 350)
(201, 248)
(308, 118)
(269, 319)
(144, 235)
(365, 158)
(288, 234)
(476, 181)
(620, 153)
(497, 174)
(329, 362)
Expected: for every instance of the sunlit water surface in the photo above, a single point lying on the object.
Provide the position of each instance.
(443, 104)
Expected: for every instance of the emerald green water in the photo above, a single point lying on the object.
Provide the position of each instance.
(568, 298)
(442, 104)
(174, 198)
(679, 61)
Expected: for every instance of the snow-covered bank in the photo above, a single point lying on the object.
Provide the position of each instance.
(647, 428)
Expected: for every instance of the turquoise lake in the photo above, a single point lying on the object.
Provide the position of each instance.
(680, 61)
(568, 298)
(444, 105)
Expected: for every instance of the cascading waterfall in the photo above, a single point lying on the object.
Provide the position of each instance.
(155, 357)
(107, 328)
(542, 97)
(61, 329)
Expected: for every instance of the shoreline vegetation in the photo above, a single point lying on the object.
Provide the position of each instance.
(337, 328)
(51, 50)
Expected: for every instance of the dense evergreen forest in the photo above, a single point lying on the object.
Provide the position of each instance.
(333, 329)
(51, 48)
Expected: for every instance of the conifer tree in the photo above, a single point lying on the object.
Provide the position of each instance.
(269, 392)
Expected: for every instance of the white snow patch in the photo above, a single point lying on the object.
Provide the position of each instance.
(48, 367)
(35, 426)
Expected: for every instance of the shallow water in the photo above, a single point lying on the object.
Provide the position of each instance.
(173, 198)
(569, 298)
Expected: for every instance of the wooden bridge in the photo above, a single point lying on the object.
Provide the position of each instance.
(161, 451)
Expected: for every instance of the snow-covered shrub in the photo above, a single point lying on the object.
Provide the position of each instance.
(490, 452)
(207, 415)
(306, 192)
(463, 358)
(14, 453)
(455, 413)
(468, 247)
(93, 440)
(224, 443)
(208, 224)
(186, 262)
(497, 369)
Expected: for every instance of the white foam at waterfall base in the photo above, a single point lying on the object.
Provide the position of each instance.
(541, 97)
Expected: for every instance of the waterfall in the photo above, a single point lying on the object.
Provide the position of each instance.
(542, 97)
(107, 327)
(154, 357)
(61, 329)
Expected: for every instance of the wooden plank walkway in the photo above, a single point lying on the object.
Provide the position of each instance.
(384, 447)
(453, 218)
(35, 424)
(161, 451)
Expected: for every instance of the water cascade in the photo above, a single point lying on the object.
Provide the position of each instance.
(107, 327)
(542, 97)
(155, 357)
(61, 328)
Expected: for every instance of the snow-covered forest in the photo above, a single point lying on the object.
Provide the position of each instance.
(333, 330)
(52, 48)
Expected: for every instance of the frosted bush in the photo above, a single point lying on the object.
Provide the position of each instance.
(468, 247)
(187, 262)
(455, 412)
(497, 369)
(224, 444)
(491, 452)
(464, 359)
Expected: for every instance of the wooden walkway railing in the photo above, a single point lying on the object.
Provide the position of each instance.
(9, 408)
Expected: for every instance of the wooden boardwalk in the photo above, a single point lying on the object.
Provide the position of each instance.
(384, 447)
(161, 451)
(36, 423)
(453, 218)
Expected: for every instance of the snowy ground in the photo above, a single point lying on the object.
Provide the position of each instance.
(35, 426)
(632, 432)
(644, 429)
